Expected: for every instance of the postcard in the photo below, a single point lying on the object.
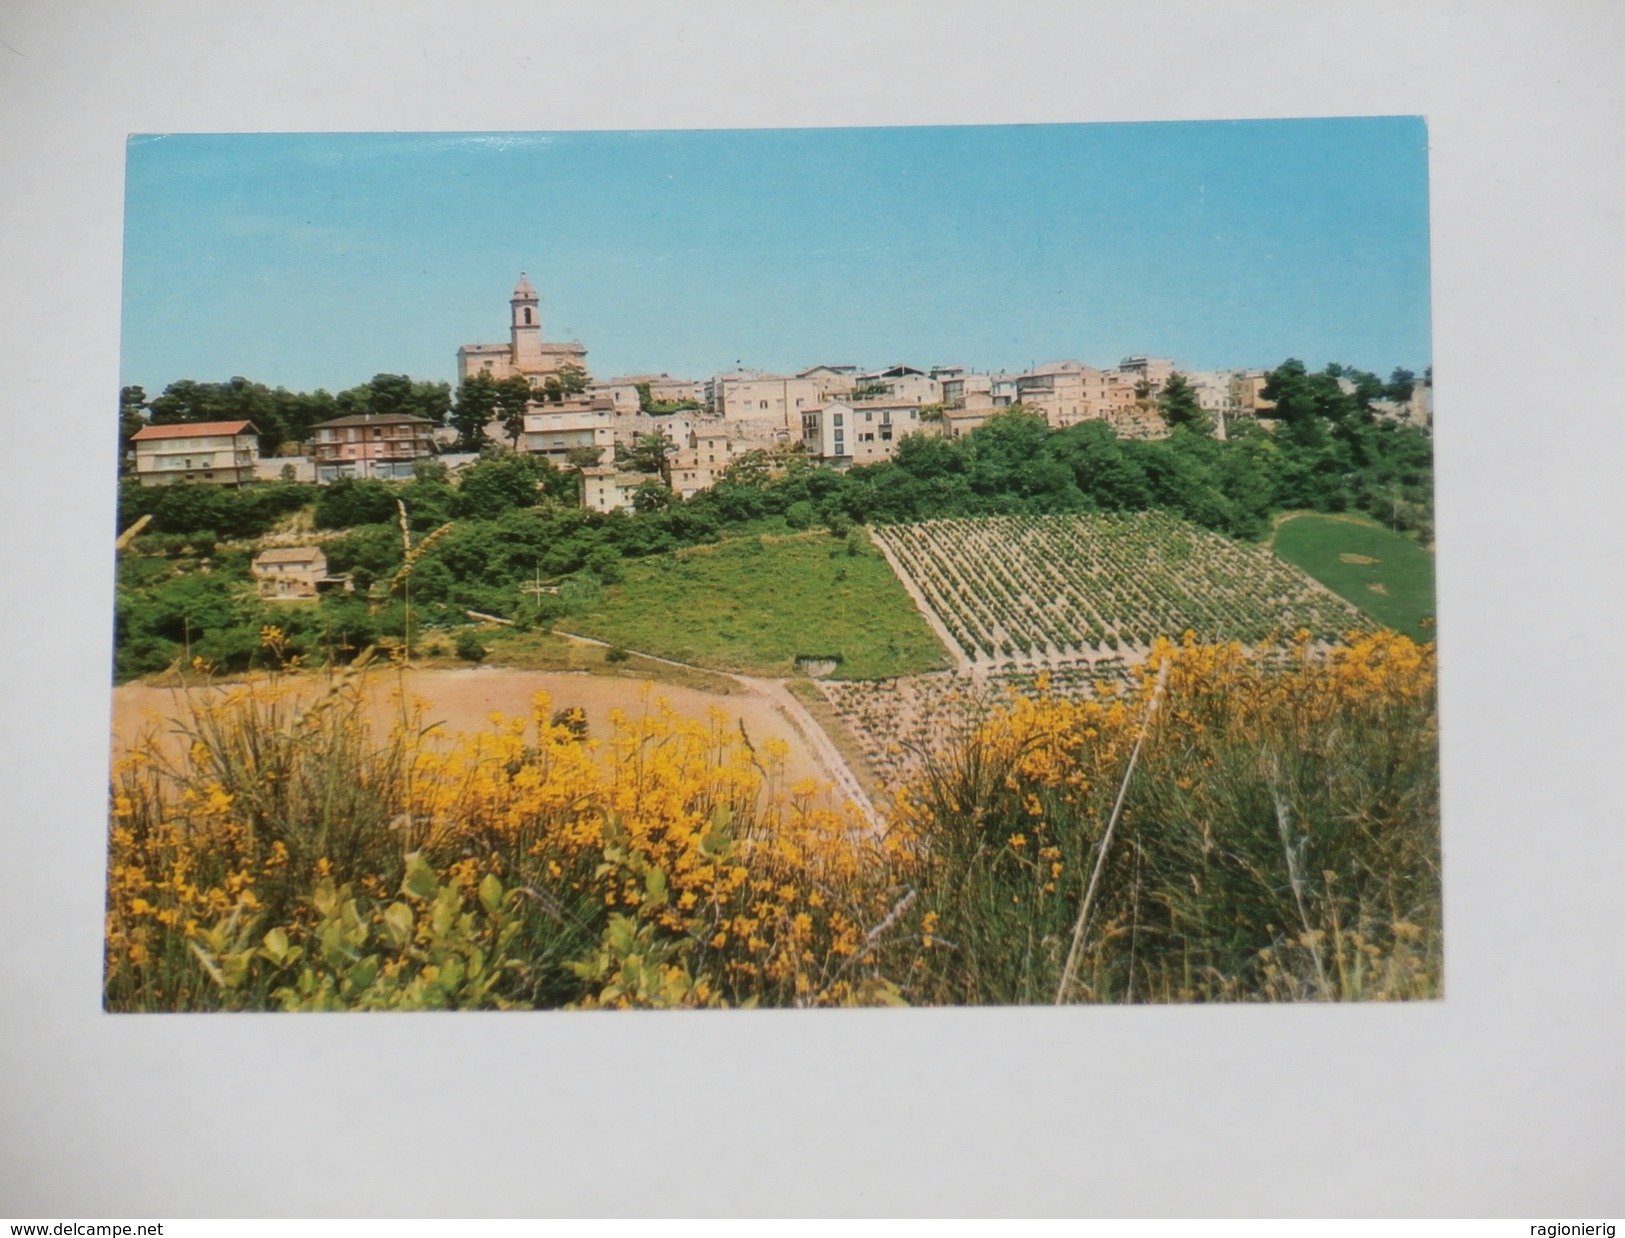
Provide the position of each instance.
(980, 565)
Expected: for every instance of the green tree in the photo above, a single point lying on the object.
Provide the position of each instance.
(236, 400)
(572, 378)
(1103, 470)
(1400, 386)
(132, 418)
(605, 564)
(651, 496)
(1308, 402)
(397, 395)
(476, 407)
(513, 397)
(490, 487)
(646, 455)
(1180, 407)
(568, 380)
(351, 501)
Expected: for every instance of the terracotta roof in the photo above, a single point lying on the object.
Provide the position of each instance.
(194, 429)
(289, 554)
(375, 419)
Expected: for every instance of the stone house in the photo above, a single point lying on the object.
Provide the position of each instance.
(704, 458)
(286, 572)
(606, 489)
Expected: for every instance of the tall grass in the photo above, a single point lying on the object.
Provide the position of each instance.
(1277, 839)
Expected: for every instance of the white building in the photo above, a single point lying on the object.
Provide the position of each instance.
(607, 489)
(844, 434)
(221, 453)
(554, 431)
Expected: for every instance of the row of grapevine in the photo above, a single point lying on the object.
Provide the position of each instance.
(1037, 592)
(899, 723)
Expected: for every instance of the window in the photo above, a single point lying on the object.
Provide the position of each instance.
(837, 420)
(527, 317)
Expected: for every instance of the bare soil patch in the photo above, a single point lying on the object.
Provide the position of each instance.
(462, 700)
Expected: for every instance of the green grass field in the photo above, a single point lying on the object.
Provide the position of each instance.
(753, 605)
(1387, 576)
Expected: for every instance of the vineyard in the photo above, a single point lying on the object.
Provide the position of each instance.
(1034, 592)
(900, 725)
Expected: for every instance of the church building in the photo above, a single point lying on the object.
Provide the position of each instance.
(525, 352)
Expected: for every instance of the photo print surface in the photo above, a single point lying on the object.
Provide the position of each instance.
(775, 568)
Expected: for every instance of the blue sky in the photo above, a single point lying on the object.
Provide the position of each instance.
(318, 260)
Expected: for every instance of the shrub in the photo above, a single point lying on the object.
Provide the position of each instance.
(469, 647)
(1279, 842)
(573, 719)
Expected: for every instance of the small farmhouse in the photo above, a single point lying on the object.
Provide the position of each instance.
(289, 572)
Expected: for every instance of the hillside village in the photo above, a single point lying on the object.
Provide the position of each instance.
(623, 433)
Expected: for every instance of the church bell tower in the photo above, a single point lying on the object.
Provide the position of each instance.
(525, 332)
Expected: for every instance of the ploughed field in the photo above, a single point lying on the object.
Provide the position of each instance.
(1033, 592)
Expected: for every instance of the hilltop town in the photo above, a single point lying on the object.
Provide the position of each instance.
(624, 433)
